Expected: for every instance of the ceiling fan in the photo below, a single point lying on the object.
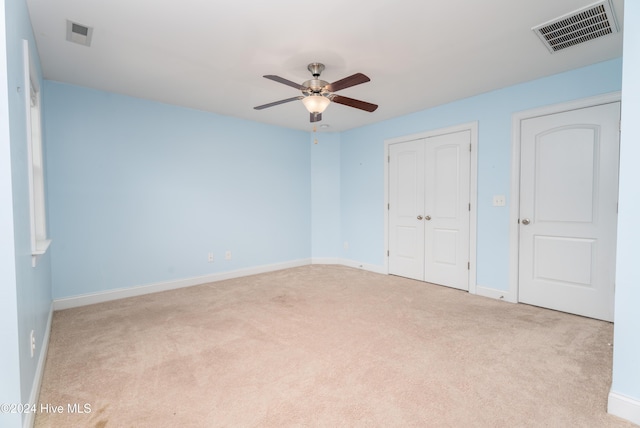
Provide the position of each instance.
(318, 94)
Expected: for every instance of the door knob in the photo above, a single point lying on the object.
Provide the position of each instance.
(526, 221)
(419, 217)
(427, 217)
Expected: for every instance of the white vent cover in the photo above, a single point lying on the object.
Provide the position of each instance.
(577, 27)
(78, 33)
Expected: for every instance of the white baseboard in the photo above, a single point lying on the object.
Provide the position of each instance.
(363, 266)
(326, 261)
(30, 417)
(348, 263)
(624, 407)
(495, 294)
(122, 293)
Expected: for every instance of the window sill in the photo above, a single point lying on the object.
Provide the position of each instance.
(39, 250)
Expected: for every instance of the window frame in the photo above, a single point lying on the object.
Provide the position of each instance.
(37, 205)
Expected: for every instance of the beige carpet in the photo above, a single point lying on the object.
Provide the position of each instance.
(325, 346)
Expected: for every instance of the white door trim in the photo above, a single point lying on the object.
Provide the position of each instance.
(514, 209)
(473, 190)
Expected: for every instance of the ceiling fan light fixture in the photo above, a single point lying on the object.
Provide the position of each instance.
(316, 103)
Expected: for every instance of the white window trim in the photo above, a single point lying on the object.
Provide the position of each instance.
(37, 210)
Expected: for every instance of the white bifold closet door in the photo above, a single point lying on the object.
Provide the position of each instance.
(429, 209)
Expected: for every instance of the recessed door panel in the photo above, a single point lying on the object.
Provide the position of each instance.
(577, 256)
(445, 247)
(446, 186)
(566, 174)
(407, 242)
(407, 182)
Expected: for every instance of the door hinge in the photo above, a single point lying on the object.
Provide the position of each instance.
(468, 265)
(387, 253)
(469, 146)
(389, 158)
(469, 206)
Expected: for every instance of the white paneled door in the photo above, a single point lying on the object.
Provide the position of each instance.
(568, 210)
(429, 209)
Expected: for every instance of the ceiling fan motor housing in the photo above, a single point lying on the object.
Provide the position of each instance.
(314, 86)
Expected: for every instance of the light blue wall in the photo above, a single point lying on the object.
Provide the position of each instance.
(9, 341)
(325, 191)
(626, 350)
(141, 191)
(362, 162)
(27, 289)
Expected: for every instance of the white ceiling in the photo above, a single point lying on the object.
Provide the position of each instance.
(211, 55)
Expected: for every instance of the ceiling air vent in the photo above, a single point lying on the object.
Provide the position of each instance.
(78, 33)
(577, 27)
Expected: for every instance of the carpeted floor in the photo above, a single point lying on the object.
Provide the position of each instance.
(325, 346)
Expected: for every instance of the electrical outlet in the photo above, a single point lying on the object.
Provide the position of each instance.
(499, 201)
(32, 342)
(210, 258)
(227, 255)
(345, 245)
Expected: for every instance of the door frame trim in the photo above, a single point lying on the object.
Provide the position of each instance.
(472, 127)
(514, 204)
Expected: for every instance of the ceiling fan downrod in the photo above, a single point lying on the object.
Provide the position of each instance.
(315, 68)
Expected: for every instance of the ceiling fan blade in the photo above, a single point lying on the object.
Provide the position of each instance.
(275, 103)
(362, 105)
(315, 117)
(347, 82)
(284, 81)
